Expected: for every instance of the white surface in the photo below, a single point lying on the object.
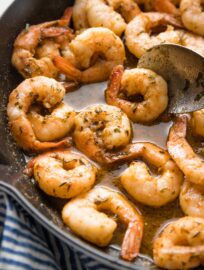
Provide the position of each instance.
(4, 4)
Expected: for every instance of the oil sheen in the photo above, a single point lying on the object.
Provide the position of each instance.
(155, 133)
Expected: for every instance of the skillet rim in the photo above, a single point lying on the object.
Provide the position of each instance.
(76, 243)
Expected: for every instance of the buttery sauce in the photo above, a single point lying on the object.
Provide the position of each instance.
(155, 133)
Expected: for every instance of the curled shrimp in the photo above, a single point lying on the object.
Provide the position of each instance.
(192, 199)
(96, 52)
(149, 86)
(147, 189)
(26, 45)
(62, 173)
(193, 16)
(83, 216)
(100, 14)
(97, 13)
(182, 153)
(139, 36)
(49, 93)
(99, 129)
(197, 123)
(180, 245)
(167, 6)
(52, 126)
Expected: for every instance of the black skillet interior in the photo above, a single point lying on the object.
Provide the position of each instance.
(45, 210)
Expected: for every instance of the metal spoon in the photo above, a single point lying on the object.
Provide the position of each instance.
(183, 69)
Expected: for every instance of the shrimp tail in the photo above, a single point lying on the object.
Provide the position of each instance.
(132, 241)
(114, 83)
(68, 69)
(41, 146)
(67, 15)
(128, 153)
(165, 6)
(38, 146)
(70, 86)
(55, 31)
(169, 19)
(179, 129)
(29, 167)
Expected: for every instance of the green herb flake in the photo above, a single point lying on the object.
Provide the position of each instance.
(62, 184)
(117, 130)
(27, 27)
(195, 235)
(163, 190)
(151, 77)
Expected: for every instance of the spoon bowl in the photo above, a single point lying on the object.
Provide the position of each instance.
(183, 69)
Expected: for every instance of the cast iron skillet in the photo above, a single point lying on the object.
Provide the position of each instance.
(44, 209)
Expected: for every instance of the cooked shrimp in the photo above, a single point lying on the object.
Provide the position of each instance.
(151, 88)
(138, 32)
(39, 89)
(180, 245)
(197, 123)
(166, 6)
(79, 15)
(192, 199)
(147, 189)
(193, 16)
(27, 42)
(192, 41)
(101, 15)
(96, 51)
(63, 174)
(47, 48)
(182, 153)
(50, 49)
(101, 128)
(128, 8)
(83, 216)
(52, 126)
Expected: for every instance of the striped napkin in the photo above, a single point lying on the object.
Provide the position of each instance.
(26, 245)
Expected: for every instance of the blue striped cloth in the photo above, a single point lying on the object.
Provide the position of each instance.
(26, 245)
